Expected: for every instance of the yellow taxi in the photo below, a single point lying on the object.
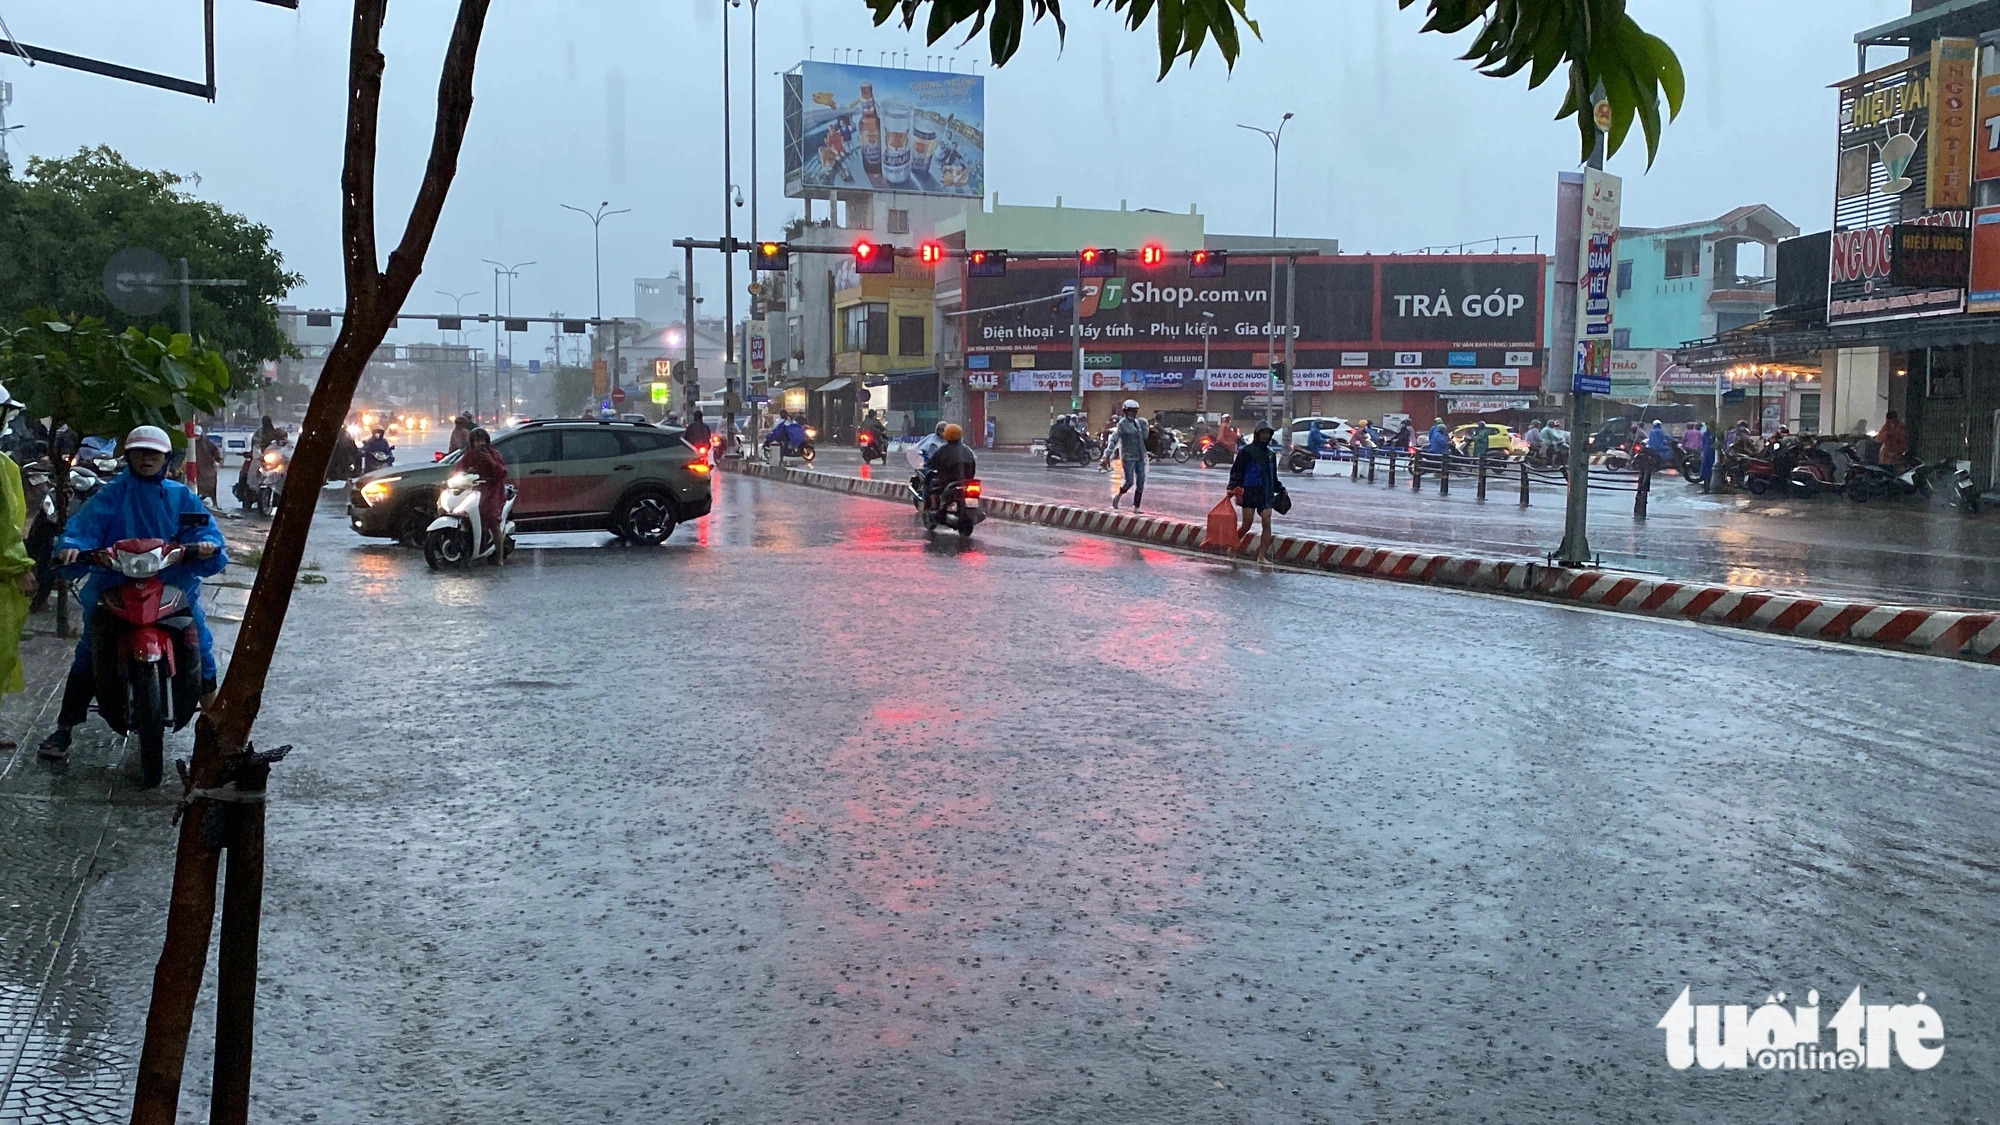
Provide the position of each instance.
(1500, 441)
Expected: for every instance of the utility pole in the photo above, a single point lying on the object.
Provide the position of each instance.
(687, 333)
(1575, 548)
(1275, 136)
(1291, 331)
(1076, 344)
(728, 252)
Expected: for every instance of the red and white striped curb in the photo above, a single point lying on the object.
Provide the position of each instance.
(1938, 631)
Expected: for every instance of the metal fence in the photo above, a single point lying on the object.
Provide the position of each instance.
(1483, 475)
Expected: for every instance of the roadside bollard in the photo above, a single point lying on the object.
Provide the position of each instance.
(1645, 486)
(1354, 470)
(1524, 482)
(1371, 466)
(1392, 468)
(1444, 473)
(1482, 478)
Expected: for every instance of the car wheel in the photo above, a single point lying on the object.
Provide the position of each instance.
(413, 524)
(646, 519)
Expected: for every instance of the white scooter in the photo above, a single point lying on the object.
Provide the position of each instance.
(452, 536)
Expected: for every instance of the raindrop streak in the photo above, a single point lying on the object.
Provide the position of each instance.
(614, 125)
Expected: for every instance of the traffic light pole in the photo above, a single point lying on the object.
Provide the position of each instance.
(687, 334)
(1291, 333)
(1076, 347)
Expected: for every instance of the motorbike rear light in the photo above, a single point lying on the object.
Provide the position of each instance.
(972, 488)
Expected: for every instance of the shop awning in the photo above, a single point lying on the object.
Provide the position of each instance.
(1773, 342)
(832, 386)
(901, 377)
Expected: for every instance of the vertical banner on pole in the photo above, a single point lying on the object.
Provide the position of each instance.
(1598, 248)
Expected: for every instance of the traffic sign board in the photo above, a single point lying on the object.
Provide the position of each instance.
(618, 396)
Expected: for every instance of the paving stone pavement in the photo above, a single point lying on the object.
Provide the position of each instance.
(70, 1026)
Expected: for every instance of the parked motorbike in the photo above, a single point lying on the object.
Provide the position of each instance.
(146, 652)
(1823, 467)
(873, 447)
(455, 537)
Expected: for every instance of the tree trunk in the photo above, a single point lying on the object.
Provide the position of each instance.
(374, 295)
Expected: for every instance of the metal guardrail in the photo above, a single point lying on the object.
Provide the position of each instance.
(1482, 474)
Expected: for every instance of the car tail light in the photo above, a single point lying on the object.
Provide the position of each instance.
(972, 488)
(700, 468)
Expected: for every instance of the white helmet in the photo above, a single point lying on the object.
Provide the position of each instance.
(1130, 404)
(149, 437)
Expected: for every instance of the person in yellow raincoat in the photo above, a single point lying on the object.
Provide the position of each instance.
(17, 570)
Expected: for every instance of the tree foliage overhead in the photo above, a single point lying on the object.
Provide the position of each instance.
(61, 222)
(80, 372)
(1597, 41)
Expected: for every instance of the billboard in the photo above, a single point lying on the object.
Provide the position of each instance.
(1377, 304)
(1862, 274)
(872, 128)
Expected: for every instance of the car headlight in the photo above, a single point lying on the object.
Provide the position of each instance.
(376, 491)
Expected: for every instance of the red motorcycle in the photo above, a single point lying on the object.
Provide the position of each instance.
(145, 649)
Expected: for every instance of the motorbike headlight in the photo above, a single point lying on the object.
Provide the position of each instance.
(460, 481)
(376, 491)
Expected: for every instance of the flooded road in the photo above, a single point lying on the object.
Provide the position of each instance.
(806, 817)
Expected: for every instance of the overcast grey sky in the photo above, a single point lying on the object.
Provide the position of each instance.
(1396, 144)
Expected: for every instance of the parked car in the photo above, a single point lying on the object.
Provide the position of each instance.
(635, 480)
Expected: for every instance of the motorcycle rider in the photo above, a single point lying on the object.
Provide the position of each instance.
(1439, 440)
(1227, 436)
(378, 444)
(789, 434)
(696, 433)
(461, 432)
(483, 461)
(1657, 441)
(140, 503)
(951, 463)
(1129, 434)
(933, 441)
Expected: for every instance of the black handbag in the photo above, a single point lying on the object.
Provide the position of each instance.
(1281, 501)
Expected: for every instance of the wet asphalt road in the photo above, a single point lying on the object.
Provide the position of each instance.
(1895, 552)
(806, 818)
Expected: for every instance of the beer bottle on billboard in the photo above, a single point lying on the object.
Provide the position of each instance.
(871, 132)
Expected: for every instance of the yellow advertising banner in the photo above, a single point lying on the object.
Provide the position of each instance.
(1954, 87)
(601, 372)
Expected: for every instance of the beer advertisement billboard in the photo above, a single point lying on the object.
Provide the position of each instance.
(872, 128)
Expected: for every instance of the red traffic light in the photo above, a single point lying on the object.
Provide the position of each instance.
(1152, 254)
(1208, 263)
(986, 263)
(930, 253)
(874, 257)
(1093, 262)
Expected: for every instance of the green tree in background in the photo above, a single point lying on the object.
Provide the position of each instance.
(573, 390)
(63, 219)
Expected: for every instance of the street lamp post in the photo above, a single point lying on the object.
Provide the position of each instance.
(511, 271)
(1271, 327)
(728, 243)
(457, 308)
(1208, 333)
(596, 245)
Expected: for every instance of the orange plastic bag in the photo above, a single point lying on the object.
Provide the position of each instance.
(1222, 527)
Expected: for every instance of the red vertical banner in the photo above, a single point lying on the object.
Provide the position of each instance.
(1983, 295)
(1986, 130)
